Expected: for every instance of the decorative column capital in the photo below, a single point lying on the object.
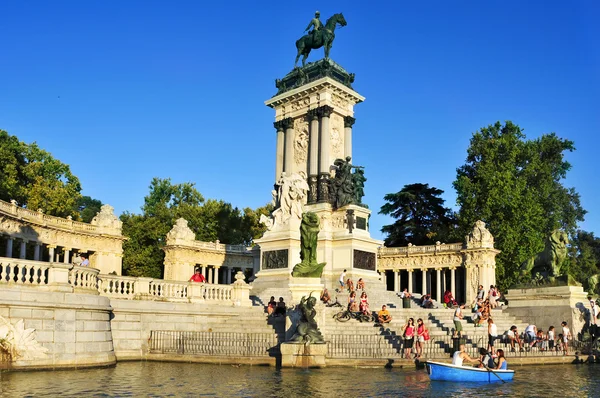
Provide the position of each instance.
(349, 121)
(287, 123)
(325, 110)
(278, 125)
(312, 114)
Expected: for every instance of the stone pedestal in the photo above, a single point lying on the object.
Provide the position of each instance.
(300, 355)
(549, 306)
(303, 287)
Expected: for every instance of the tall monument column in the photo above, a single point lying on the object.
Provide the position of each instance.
(324, 161)
(279, 154)
(313, 164)
(348, 123)
(288, 159)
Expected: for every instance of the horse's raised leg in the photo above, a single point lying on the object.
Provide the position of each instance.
(327, 48)
(296, 61)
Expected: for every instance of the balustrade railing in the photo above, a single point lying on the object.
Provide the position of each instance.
(88, 280)
(44, 219)
(168, 289)
(117, 286)
(84, 279)
(446, 247)
(213, 343)
(23, 272)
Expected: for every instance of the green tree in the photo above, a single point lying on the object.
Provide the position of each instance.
(210, 220)
(35, 179)
(421, 217)
(87, 208)
(584, 257)
(515, 186)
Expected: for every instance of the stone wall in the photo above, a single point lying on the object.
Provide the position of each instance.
(74, 328)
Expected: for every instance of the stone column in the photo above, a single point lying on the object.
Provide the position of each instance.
(279, 151)
(23, 250)
(396, 280)
(424, 281)
(216, 275)
(313, 164)
(324, 163)
(9, 247)
(438, 285)
(204, 271)
(288, 158)
(67, 252)
(209, 279)
(453, 283)
(51, 249)
(36, 251)
(348, 123)
(410, 281)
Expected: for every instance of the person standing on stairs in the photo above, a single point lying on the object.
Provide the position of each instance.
(458, 315)
(342, 281)
(409, 337)
(492, 334)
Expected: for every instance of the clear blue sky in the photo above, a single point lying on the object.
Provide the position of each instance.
(124, 91)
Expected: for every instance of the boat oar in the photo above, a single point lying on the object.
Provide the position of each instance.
(495, 374)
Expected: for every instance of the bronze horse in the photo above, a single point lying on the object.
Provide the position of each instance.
(320, 38)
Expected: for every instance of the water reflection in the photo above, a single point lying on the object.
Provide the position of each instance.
(181, 380)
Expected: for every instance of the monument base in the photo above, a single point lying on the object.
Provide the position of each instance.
(301, 287)
(301, 355)
(549, 306)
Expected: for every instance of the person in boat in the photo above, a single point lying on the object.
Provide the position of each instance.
(461, 355)
(502, 364)
(485, 359)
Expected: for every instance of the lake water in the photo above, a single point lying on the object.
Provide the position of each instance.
(129, 379)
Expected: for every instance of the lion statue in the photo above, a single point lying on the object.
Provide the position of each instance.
(549, 261)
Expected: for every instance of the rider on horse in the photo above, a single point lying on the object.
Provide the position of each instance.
(316, 24)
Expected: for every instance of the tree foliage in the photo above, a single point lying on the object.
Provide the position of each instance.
(211, 220)
(35, 179)
(515, 186)
(421, 217)
(584, 258)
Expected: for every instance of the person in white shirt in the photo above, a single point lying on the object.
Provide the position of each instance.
(566, 333)
(342, 280)
(460, 356)
(85, 262)
(530, 333)
(492, 334)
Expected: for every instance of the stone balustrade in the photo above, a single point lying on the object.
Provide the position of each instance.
(72, 278)
(450, 247)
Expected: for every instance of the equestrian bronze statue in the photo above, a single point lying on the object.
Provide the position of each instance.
(320, 36)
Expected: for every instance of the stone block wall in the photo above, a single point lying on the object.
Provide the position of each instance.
(75, 328)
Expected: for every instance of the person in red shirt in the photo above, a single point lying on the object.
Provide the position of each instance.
(197, 277)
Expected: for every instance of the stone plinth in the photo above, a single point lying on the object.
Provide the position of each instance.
(549, 306)
(300, 287)
(300, 355)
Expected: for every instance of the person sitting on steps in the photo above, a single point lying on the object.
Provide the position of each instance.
(325, 297)
(513, 336)
(360, 285)
(384, 316)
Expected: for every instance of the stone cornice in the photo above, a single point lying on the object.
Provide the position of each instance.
(313, 87)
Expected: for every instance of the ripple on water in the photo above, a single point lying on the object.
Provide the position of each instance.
(134, 379)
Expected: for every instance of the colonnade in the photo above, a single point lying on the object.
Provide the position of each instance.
(445, 279)
(41, 251)
(213, 273)
(319, 161)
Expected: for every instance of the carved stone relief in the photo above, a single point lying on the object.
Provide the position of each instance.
(275, 259)
(300, 141)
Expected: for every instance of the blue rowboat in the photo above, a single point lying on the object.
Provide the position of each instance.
(449, 372)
